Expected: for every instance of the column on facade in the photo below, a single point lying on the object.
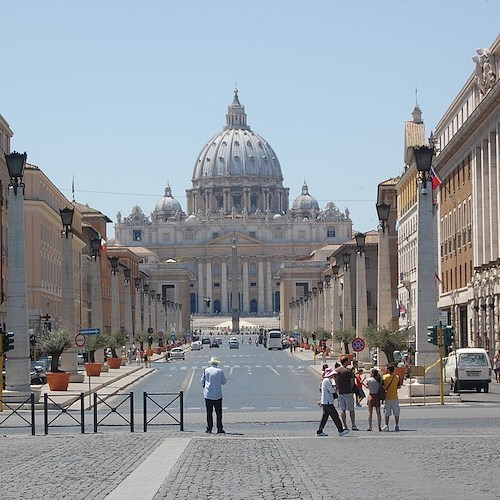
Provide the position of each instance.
(361, 301)
(260, 286)
(201, 286)
(246, 286)
(115, 303)
(96, 305)
(266, 199)
(128, 310)
(321, 307)
(138, 316)
(346, 299)
(209, 284)
(224, 297)
(496, 324)
(384, 301)
(227, 204)
(269, 288)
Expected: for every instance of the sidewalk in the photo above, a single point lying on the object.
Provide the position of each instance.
(107, 384)
(407, 395)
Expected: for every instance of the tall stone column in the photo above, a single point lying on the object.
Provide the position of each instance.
(269, 288)
(138, 312)
(201, 286)
(96, 306)
(246, 286)
(361, 302)
(115, 303)
(209, 283)
(68, 358)
(18, 375)
(224, 281)
(128, 309)
(235, 302)
(260, 286)
(346, 298)
(384, 300)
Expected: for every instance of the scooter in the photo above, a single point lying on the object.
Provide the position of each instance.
(38, 376)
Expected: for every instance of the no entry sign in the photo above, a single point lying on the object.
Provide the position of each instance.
(80, 340)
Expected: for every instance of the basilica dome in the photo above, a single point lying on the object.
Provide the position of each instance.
(305, 201)
(237, 171)
(168, 206)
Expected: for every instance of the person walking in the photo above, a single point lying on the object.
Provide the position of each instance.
(328, 392)
(212, 381)
(360, 394)
(372, 383)
(345, 387)
(496, 366)
(391, 384)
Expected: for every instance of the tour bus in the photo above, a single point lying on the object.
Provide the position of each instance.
(273, 339)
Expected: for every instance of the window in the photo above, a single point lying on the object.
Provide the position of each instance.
(216, 285)
(252, 234)
(330, 232)
(137, 235)
(215, 235)
(253, 284)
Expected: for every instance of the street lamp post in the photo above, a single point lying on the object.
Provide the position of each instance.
(138, 308)
(129, 334)
(346, 296)
(18, 375)
(68, 357)
(96, 296)
(361, 300)
(115, 295)
(147, 318)
(384, 299)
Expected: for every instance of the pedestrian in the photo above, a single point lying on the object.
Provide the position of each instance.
(496, 366)
(360, 394)
(345, 387)
(324, 366)
(212, 381)
(328, 393)
(391, 384)
(130, 355)
(291, 347)
(372, 383)
(137, 356)
(323, 354)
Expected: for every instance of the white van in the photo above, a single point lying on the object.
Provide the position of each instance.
(468, 368)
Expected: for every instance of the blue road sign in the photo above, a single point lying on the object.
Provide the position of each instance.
(90, 331)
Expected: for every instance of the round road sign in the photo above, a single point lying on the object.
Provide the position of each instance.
(80, 340)
(358, 344)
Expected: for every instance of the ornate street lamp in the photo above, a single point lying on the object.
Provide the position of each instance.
(137, 282)
(67, 220)
(95, 246)
(346, 259)
(18, 374)
(360, 242)
(114, 265)
(383, 210)
(423, 158)
(335, 269)
(126, 273)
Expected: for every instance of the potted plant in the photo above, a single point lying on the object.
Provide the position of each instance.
(94, 342)
(54, 343)
(114, 342)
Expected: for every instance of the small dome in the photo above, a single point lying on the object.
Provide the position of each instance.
(277, 216)
(192, 218)
(305, 201)
(168, 205)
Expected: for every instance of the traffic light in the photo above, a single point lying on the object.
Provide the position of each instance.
(449, 335)
(314, 338)
(432, 334)
(150, 340)
(8, 341)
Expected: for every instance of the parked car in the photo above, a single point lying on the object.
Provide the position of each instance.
(177, 353)
(214, 343)
(205, 340)
(234, 344)
(218, 340)
(196, 345)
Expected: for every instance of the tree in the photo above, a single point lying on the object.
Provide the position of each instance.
(115, 341)
(345, 337)
(95, 342)
(54, 343)
(386, 339)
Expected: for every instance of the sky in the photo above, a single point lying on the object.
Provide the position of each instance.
(121, 96)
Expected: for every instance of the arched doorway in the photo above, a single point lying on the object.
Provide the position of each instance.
(253, 306)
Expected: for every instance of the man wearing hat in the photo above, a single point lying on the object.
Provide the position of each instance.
(327, 397)
(212, 381)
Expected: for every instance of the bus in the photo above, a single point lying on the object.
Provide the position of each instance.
(273, 339)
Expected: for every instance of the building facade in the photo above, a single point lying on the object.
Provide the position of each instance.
(467, 163)
(237, 199)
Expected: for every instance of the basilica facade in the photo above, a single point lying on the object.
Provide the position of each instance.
(237, 210)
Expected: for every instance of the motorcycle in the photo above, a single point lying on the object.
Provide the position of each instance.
(38, 376)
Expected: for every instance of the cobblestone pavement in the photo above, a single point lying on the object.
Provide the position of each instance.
(439, 453)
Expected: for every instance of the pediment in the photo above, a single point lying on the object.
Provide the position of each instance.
(241, 239)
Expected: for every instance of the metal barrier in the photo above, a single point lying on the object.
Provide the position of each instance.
(16, 406)
(64, 411)
(114, 410)
(163, 409)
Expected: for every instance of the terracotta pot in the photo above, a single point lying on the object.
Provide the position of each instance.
(114, 363)
(93, 369)
(58, 381)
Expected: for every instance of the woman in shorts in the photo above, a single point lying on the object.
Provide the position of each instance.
(372, 384)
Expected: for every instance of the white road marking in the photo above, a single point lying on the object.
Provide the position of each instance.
(274, 370)
(247, 408)
(274, 407)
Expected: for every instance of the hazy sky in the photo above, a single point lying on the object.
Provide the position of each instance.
(123, 95)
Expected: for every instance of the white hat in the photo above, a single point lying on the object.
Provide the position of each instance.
(213, 361)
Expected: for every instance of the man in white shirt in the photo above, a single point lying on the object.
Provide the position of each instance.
(212, 381)
(328, 390)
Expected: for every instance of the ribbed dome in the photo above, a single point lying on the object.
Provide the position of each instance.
(305, 201)
(237, 151)
(168, 205)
